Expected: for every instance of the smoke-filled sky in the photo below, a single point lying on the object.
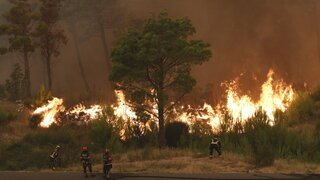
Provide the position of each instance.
(246, 36)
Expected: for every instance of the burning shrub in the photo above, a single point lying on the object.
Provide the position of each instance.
(6, 117)
(177, 134)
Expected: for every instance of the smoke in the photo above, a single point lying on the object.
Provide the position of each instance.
(247, 36)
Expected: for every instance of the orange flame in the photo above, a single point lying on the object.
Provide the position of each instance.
(275, 95)
(49, 111)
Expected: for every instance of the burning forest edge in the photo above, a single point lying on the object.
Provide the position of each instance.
(275, 95)
(141, 97)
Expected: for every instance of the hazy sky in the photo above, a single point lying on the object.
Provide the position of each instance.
(246, 36)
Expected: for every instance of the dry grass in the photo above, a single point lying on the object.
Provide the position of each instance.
(17, 128)
(290, 167)
(188, 162)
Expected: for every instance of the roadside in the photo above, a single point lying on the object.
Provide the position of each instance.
(19, 175)
(200, 164)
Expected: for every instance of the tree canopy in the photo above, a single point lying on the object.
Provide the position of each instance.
(153, 64)
(19, 28)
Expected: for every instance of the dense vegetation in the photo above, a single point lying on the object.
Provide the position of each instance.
(295, 133)
(256, 139)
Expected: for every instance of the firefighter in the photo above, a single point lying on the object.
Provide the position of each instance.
(54, 156)
(107, 163)
(215, 145)
(85, 159)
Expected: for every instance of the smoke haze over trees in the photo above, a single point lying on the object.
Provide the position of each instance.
(247, 36)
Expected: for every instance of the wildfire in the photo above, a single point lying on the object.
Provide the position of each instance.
(275, 95)
(122, 108)
(80, 111)
(49, 111)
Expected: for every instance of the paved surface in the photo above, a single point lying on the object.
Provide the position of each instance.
(78, 176)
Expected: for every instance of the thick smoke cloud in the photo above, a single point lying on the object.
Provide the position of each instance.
(247, 36)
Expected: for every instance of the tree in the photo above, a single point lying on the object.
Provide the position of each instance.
(94, 17)
(21, 18)
(14, 85)
(100, 14)
(153, 64)
(71, 16)
(51, 38)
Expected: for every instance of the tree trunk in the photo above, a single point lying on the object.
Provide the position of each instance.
(107, 57)
(161, 136)
(161, 103)
(83, 75)
(105, 46)
(27, 83)
(48, 63)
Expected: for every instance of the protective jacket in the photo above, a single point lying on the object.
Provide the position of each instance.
(84, 155)
(54, 154)
(216, 141)
(107, 159)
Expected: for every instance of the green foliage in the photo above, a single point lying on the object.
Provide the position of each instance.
(50, 36)
(34, 121)
(177, 134)
(301, 110)
(20, 33)
(14, 85)
(42, 97)
(100, 133)
(20, 19)
(6, 117)
(261, 139)
(2, 91)
(316, 94)
(33, 150)
(153, 64)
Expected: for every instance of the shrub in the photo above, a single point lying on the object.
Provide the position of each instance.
(100, 133)
(301, 110)
(35, 120)
(41, 98)
(2, 91)
(177, 134)
(6, 117)
(15, 85)
(261, 139)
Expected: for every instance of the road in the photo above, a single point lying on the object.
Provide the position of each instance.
(78, 176)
